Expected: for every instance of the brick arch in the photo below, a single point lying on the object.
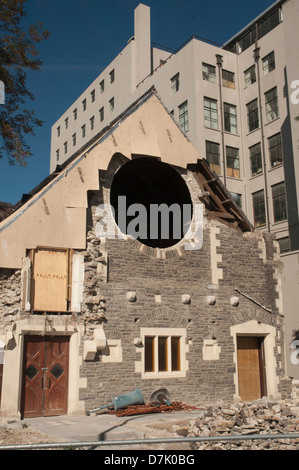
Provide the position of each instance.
(252, 313)
(164, 317)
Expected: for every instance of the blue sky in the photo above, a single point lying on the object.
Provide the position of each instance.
(86, 35)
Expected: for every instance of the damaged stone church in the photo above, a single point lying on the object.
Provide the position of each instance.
(85, 316)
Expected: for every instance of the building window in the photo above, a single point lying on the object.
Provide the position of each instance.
(175, 83)
(93, 96)
(275, 150)
(92, 123)
(237, 198)
(74, 139)
(250, 76)
(279, 202)
(209, 72)
(228, 79)
(102, 86)
(75, 114)
(232, 162)
(164, 352)
(269, 22)
(83, 128)
(253, 115)
(259, 212)
(111, 104)
(284, 244)
(101, 114)
(210, 113)
(256, 163)
(57, 155)
(271, 100)
(268, 63)
(66, 122)
(230, 118)
(58, 131)
(213, 156)
(183, 117)
(112, 76)
(65, 147)
(84, 104)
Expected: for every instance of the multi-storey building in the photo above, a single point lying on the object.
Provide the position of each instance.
(233, 102)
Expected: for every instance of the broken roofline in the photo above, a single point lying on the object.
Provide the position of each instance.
(73, 161)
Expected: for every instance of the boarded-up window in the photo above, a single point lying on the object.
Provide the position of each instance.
(50, 282)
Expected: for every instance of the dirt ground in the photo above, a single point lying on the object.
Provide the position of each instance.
(16, 433)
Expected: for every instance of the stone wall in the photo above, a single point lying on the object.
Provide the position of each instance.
(246, 262)
(10, 297)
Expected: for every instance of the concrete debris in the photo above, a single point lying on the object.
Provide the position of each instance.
(150, 408)
(264, 416)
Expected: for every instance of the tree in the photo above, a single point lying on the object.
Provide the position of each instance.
(18, 55)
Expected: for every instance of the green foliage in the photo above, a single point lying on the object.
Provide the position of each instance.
(18, 54)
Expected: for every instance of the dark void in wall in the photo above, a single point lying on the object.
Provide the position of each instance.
(155, 207)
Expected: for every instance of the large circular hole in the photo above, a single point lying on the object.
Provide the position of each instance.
(151, 202)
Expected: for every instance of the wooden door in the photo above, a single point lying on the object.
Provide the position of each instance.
(45, 376)
(251, 372)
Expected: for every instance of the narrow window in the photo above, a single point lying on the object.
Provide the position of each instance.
(268, 63)
(175, 353)
(175, 83)
(102, 114)
(271, 101)
(102, 86)
(209, 72)
(93, 96)
(253, 115)
(259, 212)
(58, 131)
(111, 104)
(162, 354)
(275, 150)
(74, 139)
(149, 354)
(183, 117)
(83, 128)
(57, 155)
(213, 156)
(84, 104)
(75, 114)
(65, 147)
(210, 113)
(230, 118)
(92, 123)
(228, 79)
(279, 202)
(112, 76)
(66, 122)
(255, 154)
(250, 76)
(232, 162)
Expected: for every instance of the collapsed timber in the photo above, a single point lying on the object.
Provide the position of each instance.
(151, 408)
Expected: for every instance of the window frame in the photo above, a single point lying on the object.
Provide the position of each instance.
(279, 201)
(228, 79)
(253, 157)
(254, 112)
(272, 112)
(278, 145)
(259, 204)
(175, 83)
(155, 360)
(268, 63)
(235, 169)
(214, 161)
(230, 119)
(208, 120)
(251, 79)
(210, 73)
(184, 116)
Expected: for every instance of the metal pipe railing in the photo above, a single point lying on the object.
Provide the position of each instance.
(129, 442)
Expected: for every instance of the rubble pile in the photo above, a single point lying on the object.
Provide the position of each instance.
(264, 416)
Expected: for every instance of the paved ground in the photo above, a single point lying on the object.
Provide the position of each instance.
(106, 427)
